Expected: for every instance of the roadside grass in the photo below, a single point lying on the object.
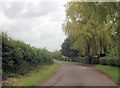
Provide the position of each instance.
(114, 71)
(36, 76)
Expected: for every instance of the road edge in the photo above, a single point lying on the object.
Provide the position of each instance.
(49, 76)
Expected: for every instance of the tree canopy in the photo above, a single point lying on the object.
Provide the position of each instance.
(92, 26)
(66, 50)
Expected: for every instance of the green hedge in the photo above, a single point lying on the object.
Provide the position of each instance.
(19, 58)
(77, 59)
(64, 58)
(83, 60)
(113, 61)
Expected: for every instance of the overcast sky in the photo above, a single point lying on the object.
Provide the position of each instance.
(36, 22)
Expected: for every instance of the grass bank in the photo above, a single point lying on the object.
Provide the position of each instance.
(34, 77)
(111, 70)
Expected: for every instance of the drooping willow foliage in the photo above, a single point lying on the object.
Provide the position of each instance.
(20, 58)
(92, 26)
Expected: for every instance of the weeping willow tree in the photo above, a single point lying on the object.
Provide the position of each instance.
(92, 26)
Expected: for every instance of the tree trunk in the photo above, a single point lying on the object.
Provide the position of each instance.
(90, 59)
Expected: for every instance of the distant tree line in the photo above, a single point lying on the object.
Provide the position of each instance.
(19, 58)
(56, 54)
(66, 50)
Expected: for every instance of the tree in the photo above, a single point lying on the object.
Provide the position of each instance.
(92, 26)
(66, 50)
(56, 54)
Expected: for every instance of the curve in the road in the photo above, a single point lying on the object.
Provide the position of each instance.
(75, 75)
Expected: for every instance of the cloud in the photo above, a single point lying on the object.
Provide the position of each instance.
(37, 23)
(12, 9)
(28, 9)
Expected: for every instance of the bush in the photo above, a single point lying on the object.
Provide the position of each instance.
(82, 60)
(113, 61)
(64, 58)
(103, 61)
(19, 58)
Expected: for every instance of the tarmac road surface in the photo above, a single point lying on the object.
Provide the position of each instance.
(76, 75)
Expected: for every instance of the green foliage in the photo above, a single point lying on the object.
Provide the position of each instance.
(66, 50)
(64, 58)
(114, 71)
(56, 54)
(92, 27)
(12, 85)
(113, 61)
(35, 78)
(113, 52)
(83, 60)
(19, 58)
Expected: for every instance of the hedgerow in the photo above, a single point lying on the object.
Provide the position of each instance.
(19, 58)
(113, 61)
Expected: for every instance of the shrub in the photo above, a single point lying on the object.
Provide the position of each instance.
(82, 60)
(103, 61)
(64, 58)
(19, 58)
(109, 61)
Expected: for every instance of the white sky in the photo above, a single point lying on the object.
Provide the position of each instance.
(36, 22)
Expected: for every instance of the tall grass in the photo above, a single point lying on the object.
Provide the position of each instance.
(34, 77)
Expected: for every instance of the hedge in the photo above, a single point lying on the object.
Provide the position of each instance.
(108, 60)
(19, 58)
(76, 59)
(113, 61)
(83, 60)
(64, 58)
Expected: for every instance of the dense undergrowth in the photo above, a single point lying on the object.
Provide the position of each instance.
(19, 58)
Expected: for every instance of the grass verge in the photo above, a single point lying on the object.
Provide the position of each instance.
(111, 70)
(36, 76)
